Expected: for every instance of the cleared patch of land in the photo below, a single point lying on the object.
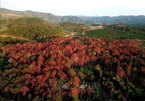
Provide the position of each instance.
(14, 37)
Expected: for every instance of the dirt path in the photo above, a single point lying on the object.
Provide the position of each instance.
(4, 36)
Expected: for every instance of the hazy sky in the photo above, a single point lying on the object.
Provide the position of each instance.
(79, 7)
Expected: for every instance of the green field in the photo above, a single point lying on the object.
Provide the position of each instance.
(116, 34)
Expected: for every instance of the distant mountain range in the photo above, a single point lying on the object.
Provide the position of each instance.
(5, 13)
(131, 20)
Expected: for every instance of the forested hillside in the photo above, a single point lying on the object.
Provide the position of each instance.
(70, 69)
(27, 29)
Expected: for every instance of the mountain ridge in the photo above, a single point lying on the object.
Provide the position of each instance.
(123, 19)
(6, 13)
